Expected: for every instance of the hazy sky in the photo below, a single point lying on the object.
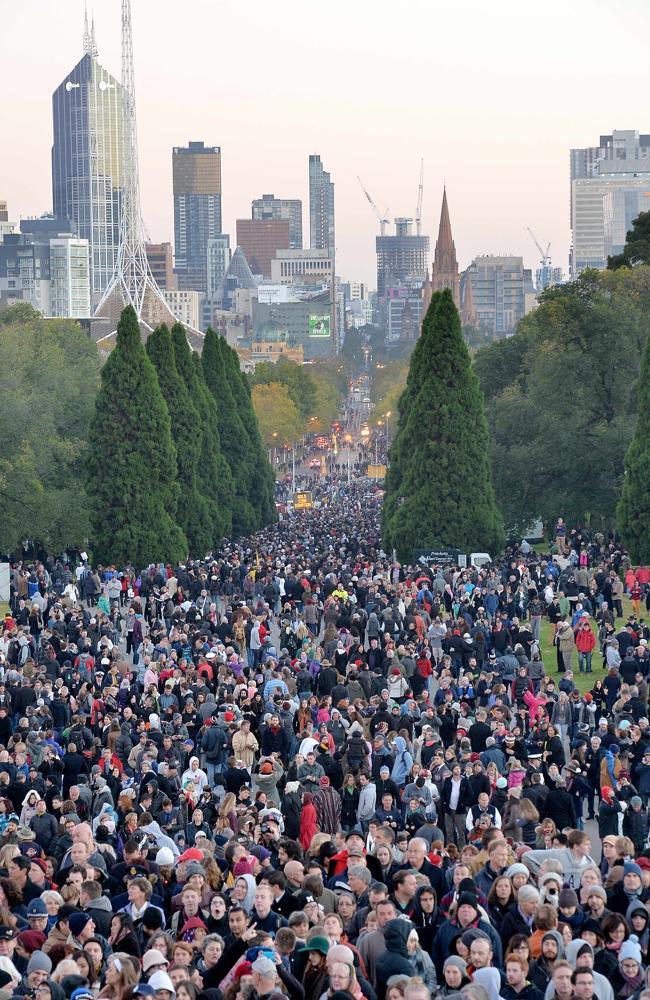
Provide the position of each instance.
(492, 95)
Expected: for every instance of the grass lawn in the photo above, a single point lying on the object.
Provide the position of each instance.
(584, 682)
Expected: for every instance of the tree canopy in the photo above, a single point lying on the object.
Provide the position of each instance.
(277, 414)
(561, 399)
(438, 489)
(634, 506)
(49, 378)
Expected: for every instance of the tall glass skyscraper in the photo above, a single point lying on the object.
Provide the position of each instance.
(197, 211)
(87, 162)
(321, 208)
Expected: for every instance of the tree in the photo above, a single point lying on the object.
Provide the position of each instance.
(214, 478)
(234, 440)
(634, 507)
(193, 513)
(132, 472)
(49, 377)
(352, 349)
(438, 488)
(637, 245)
(276, 413)
(262, 488)
(561, 400)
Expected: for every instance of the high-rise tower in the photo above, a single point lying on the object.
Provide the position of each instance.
(132, 282)
(321, 208)
(196, 170)
(444, 273)
(87, 159)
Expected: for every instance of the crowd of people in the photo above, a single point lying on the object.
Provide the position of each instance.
(298, 769)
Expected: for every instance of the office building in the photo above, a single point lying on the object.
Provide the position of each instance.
(302, 267)
(401, 257)
(321, 208)
(161, 262)
(260, 240)
(6, 226)
(219, 255)
(497, 293)
(196, 178)
(270, 207)
(610, 184)
(48, 266)
(185, 304)
(87, 161)
(238, 276)
(404, 311)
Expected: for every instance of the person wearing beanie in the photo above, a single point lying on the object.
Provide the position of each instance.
(519, 919)
(38, 970)
(580, 955)
(630, 966)
(596, 903)
(454, 971)
(569, 910)
(467, 917)
(636, 824)
(629, 890)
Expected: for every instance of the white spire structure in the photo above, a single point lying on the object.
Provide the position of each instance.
(86, 43)
(132, 282)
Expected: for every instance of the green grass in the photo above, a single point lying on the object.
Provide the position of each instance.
(584, 682)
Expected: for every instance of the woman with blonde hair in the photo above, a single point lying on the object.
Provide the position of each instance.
(121, 976)
(66, 967)
(227, 816)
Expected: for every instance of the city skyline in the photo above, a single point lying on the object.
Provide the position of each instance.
(505, 160)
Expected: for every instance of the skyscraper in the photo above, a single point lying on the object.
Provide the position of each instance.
(402, 258)
(260, 242)
(321, 208)
(270, 207)
(444, 273)
(610, 185)
(197, 210)
(497, 299)
(87, 159)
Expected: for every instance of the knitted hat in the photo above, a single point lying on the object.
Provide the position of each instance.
(457, 962)
(593, 926)
(568, 898)
(468, 899)
(631, 868)
(266, 768)
(40, 962)
(324, 782)
(630, 949)
(517, 869)
(77, 922)
(597, 890)
(165, 856)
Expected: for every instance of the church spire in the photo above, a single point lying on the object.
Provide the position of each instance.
(445, 265)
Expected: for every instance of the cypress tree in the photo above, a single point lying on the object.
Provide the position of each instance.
(216, 469)
(262, 496)
(633, 512)
(132, 473)
(213, 475)
(234, 440)
(438, 488)
(193, 515)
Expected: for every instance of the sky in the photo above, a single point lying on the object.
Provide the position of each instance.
(491, 95)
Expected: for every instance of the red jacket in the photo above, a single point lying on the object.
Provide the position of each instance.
(585, 639)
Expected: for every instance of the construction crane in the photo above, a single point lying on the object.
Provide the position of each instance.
(382, 219)
(546, 257)
(418, 211)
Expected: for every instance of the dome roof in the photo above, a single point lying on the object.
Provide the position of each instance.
(271, 331)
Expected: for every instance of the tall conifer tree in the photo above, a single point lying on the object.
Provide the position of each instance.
(634, 507)
(438, 488)
(132, 474)
(193, 515)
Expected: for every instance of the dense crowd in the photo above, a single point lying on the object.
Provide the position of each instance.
(296, 768)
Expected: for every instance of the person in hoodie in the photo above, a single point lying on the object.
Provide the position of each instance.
(395, 961)
(580, 955)
(638, 920)
(403, 762)
(425, 916)
(541, 969)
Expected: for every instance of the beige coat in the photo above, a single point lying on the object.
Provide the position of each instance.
(244, 747)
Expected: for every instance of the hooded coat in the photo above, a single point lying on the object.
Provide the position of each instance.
(395, 960)
(403, 762)
(426, 924)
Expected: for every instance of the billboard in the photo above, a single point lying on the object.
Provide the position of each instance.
(319, 325)
(302, 501)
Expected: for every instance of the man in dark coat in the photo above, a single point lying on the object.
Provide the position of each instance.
(560, 806)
